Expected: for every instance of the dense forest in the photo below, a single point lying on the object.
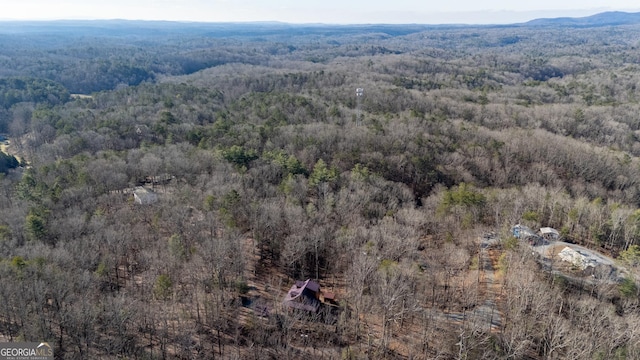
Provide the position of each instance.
(268, 168)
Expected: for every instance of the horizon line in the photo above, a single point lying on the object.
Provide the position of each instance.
(587, 13)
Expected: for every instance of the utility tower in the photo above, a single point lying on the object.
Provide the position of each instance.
(359, 94)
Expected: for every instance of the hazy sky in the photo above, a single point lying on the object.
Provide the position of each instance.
(307, 11)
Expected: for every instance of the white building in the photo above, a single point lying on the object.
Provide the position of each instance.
(144, 196)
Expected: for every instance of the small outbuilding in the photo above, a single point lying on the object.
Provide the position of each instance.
(550, 234)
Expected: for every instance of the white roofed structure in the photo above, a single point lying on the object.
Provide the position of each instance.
(549, 233)
(144, 196)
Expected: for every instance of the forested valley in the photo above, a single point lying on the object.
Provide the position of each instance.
(267, 168)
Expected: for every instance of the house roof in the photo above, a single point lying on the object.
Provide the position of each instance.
(302, 295)
(548, 230)
(309, 284)
(144, 196)
(329, 295)
(299, 288)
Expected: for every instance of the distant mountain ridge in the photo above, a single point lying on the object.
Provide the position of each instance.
(610, 18)
(261, 28)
